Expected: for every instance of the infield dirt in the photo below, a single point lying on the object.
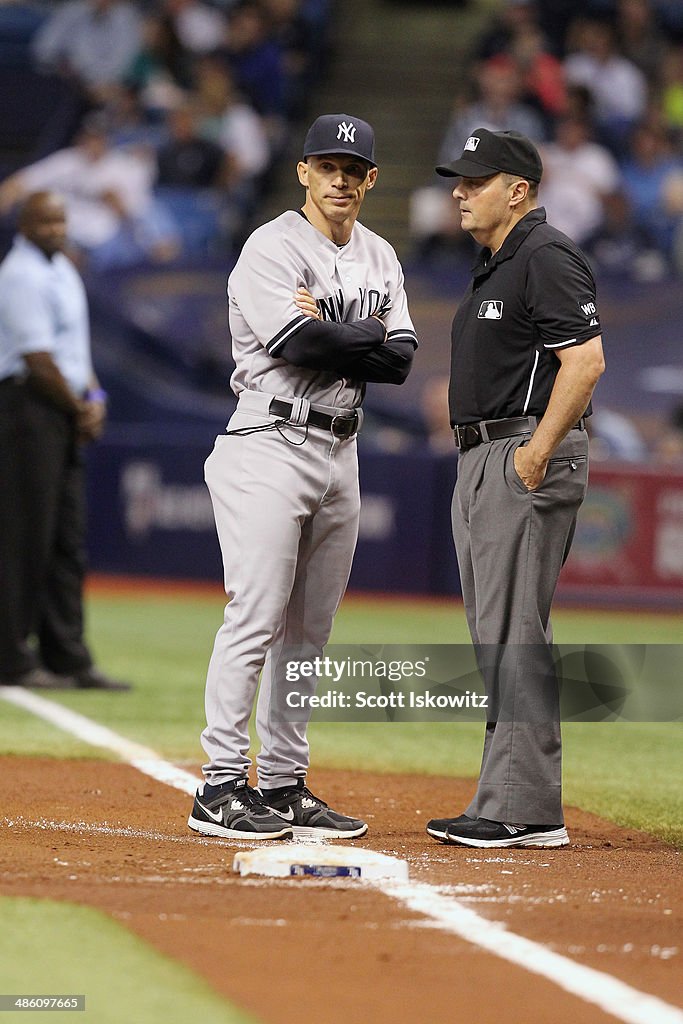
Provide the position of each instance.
(314, 951)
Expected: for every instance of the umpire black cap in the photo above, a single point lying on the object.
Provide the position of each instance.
(341, 133)
(487, 152)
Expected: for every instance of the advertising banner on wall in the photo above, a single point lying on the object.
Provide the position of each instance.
(629, 538)
(151, 515)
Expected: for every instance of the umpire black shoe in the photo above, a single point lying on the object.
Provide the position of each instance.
(94, 679)
(309, 816)
(438, 827)
(41, 679)
(482, 832)
(235, 811)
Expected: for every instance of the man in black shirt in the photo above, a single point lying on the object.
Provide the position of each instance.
(526, 355)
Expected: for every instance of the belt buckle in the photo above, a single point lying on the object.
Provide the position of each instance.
(467, 436)
(344, 426)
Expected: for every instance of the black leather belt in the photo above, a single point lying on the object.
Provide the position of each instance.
(469, 435)
(342, 425)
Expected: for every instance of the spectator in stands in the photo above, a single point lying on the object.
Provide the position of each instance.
(113, 218)
(161, 70)
(640, 39)
(651, 174)
(192, 171)
(580, 178)
(672, 92)
(498, 107)
(515, 36)
(227, 119)
(552, 17)
(92, 41)
(187, 159)
(128, 124)
(200, 27)
(541, 73)
(257, 62)
(299, 26)
(555, 18)
(580, 103)
(514, 16)
(618, 87)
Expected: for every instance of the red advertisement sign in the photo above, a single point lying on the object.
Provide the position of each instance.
(629, 538)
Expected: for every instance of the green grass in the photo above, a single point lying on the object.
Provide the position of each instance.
(628, 772)
(625, 771)
(49, 948)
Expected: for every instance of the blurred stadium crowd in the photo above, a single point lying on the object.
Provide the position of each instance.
(162, 123)
(599, 85)
(159, 120)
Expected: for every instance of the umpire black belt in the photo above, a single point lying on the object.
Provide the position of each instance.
(342, 425)
(469, 435)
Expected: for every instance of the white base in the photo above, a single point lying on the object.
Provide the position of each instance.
(296, 860)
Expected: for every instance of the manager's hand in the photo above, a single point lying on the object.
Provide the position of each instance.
(306, 303)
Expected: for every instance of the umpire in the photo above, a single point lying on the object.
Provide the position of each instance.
(526, 356)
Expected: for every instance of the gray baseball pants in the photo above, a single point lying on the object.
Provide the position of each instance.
(511, 544)
(286, 504)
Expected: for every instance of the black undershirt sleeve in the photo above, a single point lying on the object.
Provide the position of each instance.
(389, 364)
(327, 345)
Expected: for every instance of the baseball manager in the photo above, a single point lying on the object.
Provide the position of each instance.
(526, 355)
(317, 308)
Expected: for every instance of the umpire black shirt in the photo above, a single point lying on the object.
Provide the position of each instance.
(533, 297)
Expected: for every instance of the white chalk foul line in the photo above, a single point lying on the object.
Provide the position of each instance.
(608, 993)
(145, 760)
(602, 990)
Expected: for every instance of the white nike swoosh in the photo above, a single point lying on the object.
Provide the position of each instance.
(288, 816)
(216, 815)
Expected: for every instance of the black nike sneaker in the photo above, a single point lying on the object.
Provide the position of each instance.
(235, 811)
(309, 816)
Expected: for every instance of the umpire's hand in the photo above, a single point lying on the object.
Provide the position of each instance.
(529, 468)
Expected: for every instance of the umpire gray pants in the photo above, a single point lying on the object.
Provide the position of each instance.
(286, 504)
(511, 544)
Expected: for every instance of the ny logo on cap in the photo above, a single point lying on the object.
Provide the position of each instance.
(472, 143)
(346, 131)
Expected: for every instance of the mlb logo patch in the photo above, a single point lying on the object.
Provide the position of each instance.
(472, 143)
(492, 309)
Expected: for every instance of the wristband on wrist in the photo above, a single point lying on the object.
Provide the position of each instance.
(96, 395)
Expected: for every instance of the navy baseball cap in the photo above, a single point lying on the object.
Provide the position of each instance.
(487, 152)
(341, 133)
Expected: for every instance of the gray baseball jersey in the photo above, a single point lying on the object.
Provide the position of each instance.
(350, 282)
(286, 498)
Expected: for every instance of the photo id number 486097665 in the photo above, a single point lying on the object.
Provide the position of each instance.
(42, 1002)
